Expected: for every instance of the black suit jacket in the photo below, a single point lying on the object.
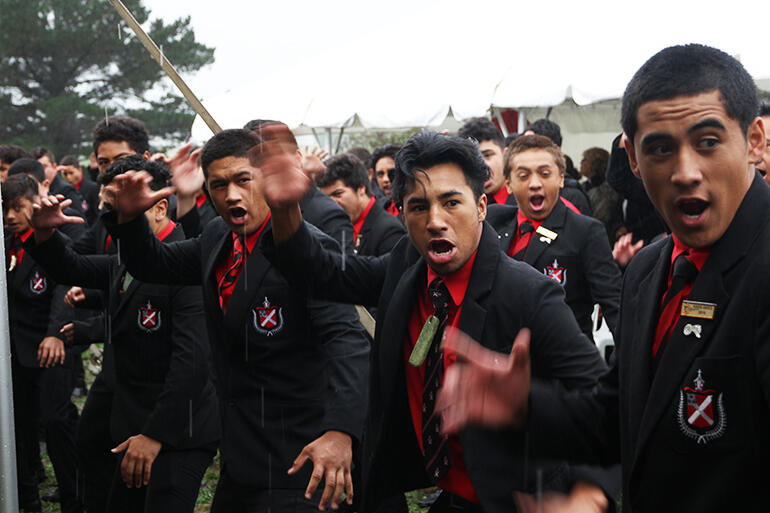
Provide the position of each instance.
(34, 300)
(580, 259)
(574, 193)
(323, 212)
(287, 369)
(61, 186)
(379, 233)
(157, 360)
(90, 205)
(674, 458)
(491, 313)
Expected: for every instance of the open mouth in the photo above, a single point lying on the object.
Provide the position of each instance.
(441, 251)
(537, 202)
(238, 215)
(692, 208)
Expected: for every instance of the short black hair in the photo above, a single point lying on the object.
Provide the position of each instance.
(510, 138)
(547, 128)
(18, 186)
(346, 167)
(255, 125)
(235, 142)
(687, 70)
(10, 153)
(389, 150)
(428, 149)
(362, 153)
(481, 129)
(159, 172)
(122, 128)
(764, 110)
(41, 152)
(28, 166)
(69, 160)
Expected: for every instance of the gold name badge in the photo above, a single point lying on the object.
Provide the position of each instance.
(546, 232)
(698, 309)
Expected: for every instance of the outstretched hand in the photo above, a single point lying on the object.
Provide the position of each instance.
(48, 214)
(331, 454)
(312, 161)
(284, 183)
(186, 176)
(130, 195)
(484, 387)
(624, 250)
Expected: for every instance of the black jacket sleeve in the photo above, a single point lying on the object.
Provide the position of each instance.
(325, 274)
(602, 273)
(153, 261)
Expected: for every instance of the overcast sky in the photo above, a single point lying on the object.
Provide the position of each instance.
(452, 50)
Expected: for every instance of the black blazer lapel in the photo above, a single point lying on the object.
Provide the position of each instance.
(539, 243)
(221, 244)
(640, 349)
(21, 274)
(395, 326)
(473, 315)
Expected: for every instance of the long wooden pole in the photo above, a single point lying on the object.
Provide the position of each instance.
(148, 43)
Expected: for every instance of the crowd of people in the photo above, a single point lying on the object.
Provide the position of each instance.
(229, 283)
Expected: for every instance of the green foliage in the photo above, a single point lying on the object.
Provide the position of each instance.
(62, 63)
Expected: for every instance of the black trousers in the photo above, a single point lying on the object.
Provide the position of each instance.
(42, 398)
(175, 479)
(232, 497)
(97, 463)
(59, 418)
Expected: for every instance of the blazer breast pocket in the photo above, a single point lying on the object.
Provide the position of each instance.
(709, 413)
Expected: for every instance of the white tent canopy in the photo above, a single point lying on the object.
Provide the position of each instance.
(321, 118)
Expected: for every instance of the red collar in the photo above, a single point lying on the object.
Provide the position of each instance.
(457, 282)
(24, 236)
(77, 186)
(251, 240)
(167, 230)
(698, 256)
(521, 219)
(362, 219)
(501, 195)
(200, 200)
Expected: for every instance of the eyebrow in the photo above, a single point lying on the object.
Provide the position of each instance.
(449, 194)
(706, 123)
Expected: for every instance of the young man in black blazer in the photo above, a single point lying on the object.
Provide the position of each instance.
(163, 416)
(345, 181)
(685, 406)
(541, 231)
(450, 271)
(41, 362)
(289, 372)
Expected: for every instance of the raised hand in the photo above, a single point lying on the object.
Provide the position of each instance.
(284, 183)
(48, 214)
(312, 161)
(331, 454)
(484, 387)
(624, 250)
(186, 175)
(130, 195)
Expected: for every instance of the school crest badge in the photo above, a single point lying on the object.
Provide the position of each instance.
(268, 319)
(701, 413)
(149, 318)
(556, 272)
(37, 283)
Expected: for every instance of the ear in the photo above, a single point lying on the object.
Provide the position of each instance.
(482, 207)
(161, 209)
(561, 180)
(632, 161)
(756, 139)
(146, 155)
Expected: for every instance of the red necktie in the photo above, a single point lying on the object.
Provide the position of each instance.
(522, 241)
(228, 280)
(684, 274)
